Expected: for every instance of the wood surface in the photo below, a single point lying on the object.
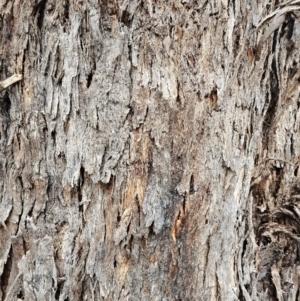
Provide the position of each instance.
(150, 151)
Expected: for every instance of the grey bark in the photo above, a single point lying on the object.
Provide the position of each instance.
(151, 150)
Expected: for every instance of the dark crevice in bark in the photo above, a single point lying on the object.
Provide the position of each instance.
(45, 134)
(126, 18)
(115, 263)
(81, 210)
(22, 210)
(60, 285)
(192, 189)
(5, 105)
(245, 243)
(82, 176)
(104, 221)
(21, 182)
(297, 294)
(279, 175)
(272, 106)
(29, 214)
(58, 73)
(292, 149)
(130, 74)
(296, 171)
(118, 217)
(89, 79)
(130, 243)
(24, 58)
(104, 159)
(66, 11)
(274, 43)
(20, 295)
(128, 228)
(251, 125)
(263, 76)
(214, 14)
(81, 45)
(137, 202)
(288, 27)
(236, 42)
(90, 75)
(53, 137)
(213, 97)
(39, 10)
(151, 231)
(6, 273)
(241, 296)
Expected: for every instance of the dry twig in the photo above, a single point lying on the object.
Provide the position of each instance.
(9, 81)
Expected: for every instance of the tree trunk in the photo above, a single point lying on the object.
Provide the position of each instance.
(150, 151)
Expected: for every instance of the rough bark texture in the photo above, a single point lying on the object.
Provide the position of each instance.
(150, 151)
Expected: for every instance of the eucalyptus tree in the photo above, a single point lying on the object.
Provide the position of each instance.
(149, 150)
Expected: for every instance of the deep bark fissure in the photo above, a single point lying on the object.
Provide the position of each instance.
(5, 277)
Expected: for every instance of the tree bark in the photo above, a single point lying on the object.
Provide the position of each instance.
(151, 150)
